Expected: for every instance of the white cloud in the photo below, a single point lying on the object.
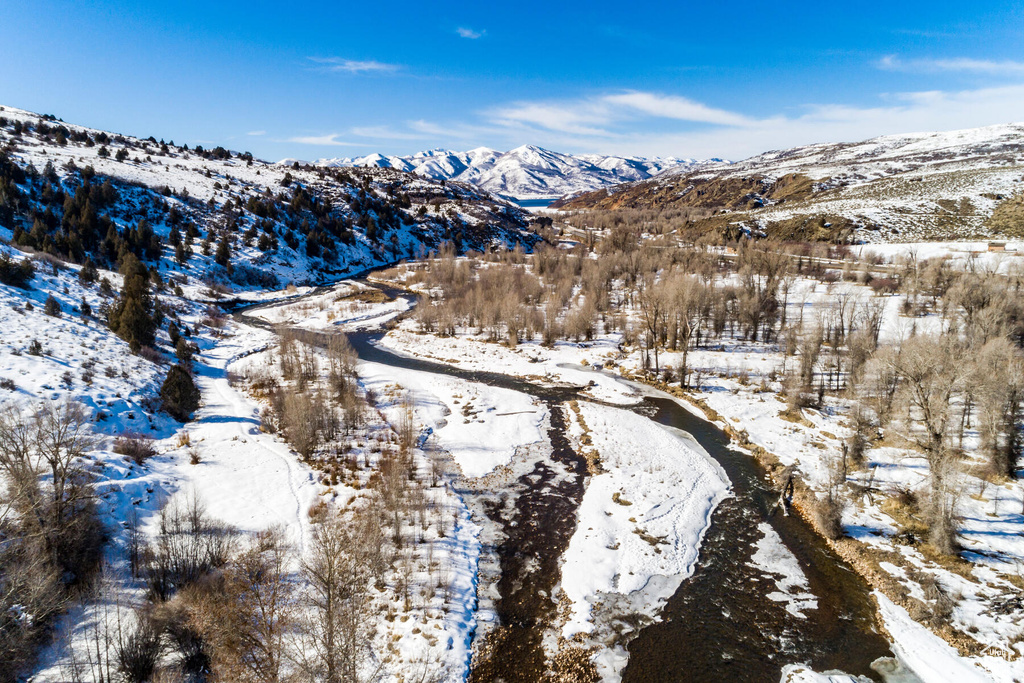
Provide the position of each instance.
(620, 123)
(330, 140)
(957, 64)
(466, 32)
(901, 113)
(353, 66)
(257, 132)
(674, 107)
(597, 116)
(660, 124)
(577, 117)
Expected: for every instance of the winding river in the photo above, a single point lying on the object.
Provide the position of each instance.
(721, 624)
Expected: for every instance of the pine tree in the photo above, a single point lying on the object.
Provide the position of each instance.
(223, 256)
(88, 274)
(179, 394)
(181, 253)
(52, 307)
(131, 316)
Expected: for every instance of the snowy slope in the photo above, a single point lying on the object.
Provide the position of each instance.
(937, 185)
(360, 218)
(524, 172)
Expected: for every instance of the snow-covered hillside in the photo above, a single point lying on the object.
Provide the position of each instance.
(938, 185)
(525, 172)
(281, 224)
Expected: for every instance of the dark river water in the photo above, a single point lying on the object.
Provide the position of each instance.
(720, 625)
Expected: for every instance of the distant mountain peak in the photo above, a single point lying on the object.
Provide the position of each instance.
(525, 172)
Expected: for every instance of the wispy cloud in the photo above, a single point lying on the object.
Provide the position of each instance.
(597, 115)
(469, 33)
(661, 124)
(674, 107)
(330, 140)
(957, 64)
(353, 66)
(256, 132)
(637, 122)
(581, 117)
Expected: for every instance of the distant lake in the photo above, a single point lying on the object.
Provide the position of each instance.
(534, 203)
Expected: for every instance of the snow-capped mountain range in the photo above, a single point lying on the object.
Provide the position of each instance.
(526, 172)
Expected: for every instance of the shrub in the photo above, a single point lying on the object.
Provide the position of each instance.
(189, 545)
(52, 307)
(16, 274)
(138, 652)
(35, 348)
(152, 355)
(179, 394)
(8, 384)
(828, 513)
(135, 446)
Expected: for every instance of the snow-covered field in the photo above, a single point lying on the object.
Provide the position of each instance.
(479, 425)
(348, 306)
(639, 531)
(566, 363)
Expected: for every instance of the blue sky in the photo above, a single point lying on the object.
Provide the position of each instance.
(312, 80)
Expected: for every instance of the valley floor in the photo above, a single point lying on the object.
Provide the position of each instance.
(481, 439)
(739, 391)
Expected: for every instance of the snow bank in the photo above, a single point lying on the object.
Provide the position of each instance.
(340, 306)
(924, 653)
(562, 363)
(481, 426)
(643, 517)
(798, 673)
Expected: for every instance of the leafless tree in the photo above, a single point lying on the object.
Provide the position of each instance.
(337, 596)
(931, 372)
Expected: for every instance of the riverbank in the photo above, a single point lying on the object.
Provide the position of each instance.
(893, 603)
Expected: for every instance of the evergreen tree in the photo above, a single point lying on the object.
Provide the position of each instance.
(183, 350)
(131, 316)
(223, 256)
(52, 307)
(179, 394)
(181, 253)
(88, 274)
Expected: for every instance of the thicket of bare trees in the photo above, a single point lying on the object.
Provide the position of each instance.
(221, 607)
(50, 536)
(963, 380)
